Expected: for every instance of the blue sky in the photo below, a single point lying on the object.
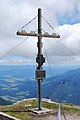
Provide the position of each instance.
(70, 19)
(64, 16)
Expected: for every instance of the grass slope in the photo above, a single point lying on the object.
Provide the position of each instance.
(21, 109)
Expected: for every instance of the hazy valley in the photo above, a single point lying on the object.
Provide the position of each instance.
(18, 82)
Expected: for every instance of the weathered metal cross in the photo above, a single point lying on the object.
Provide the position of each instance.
(40, 73)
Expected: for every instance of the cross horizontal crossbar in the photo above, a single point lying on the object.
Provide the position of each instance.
(54, 35)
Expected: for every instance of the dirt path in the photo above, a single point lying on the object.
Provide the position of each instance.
(53, 117)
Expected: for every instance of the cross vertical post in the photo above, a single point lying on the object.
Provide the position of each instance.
(39, 44)
(40, 73)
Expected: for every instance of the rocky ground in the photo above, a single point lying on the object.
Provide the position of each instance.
(53, 117)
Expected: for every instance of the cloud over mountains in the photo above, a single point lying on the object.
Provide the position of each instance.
(63, 15)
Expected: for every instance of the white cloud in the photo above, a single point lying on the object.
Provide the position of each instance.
(67, 48)
(15, 13)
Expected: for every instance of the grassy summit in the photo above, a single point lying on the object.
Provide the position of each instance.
(21, 109)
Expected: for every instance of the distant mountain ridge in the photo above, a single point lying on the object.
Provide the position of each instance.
(4, 102)
(18, 82)
(66, 87)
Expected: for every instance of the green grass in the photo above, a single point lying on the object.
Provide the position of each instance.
(71, 109)
(20, 109)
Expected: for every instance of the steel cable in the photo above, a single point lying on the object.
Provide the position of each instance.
(13, 48)
(28, 23)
